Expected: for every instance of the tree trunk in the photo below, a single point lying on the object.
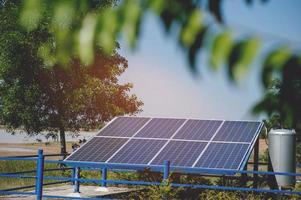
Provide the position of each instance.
(63, 142)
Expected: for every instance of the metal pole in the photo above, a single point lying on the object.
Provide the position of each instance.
(39, 177)
(73, 175)
(76, 182)
(166, 170)
(244, 177)
(255, 165)
(104, 172)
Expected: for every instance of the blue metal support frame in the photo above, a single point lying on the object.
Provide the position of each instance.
(166, 170)
(104, 173)
(40, 171)
(76, 181)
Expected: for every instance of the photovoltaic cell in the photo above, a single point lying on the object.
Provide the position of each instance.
(227, 150)
(180, 153)
(198, 129)
(160, 128)
(97, 149)
(237, 131)
(223, 156)
(138, 151)
(123, 126)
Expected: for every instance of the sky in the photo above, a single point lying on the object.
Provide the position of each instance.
(159, 71)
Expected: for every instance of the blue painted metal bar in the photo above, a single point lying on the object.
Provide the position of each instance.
(16, 176)
(166, 170)
(15, 192)
(20, 188)
(14, 158)
(160, 167)
(39, 180)
(76, 179)
(104, 173)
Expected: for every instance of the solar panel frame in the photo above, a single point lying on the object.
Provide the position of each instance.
(243, 161)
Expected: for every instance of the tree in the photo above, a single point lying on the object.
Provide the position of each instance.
(38, 96)
(185, 19)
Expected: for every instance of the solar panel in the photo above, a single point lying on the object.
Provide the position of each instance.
(138, 151)
(237, 131)
(190, 143)
(124, 126)
(222, 156)
(98, 149)
(160, 128)
(198, 129)
(180, 153)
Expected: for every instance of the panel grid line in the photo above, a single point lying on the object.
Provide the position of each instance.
(208, 144)
(167, 142)
(129, 140)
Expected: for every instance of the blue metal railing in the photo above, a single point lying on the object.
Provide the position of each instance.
(76, 180)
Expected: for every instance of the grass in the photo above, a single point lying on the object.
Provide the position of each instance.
(17, 166)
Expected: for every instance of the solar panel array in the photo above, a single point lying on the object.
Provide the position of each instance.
(213, 144)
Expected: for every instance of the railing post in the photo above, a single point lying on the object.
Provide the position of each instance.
(166, 170)
(76, 175)
(39, 176)
(104, 173)
(255, 166)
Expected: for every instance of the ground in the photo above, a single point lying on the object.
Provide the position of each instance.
(9, 149)
(67, 190)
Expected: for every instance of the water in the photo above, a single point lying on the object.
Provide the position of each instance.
(21, 137)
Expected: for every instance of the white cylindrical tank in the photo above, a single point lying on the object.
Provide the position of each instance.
(282, 150)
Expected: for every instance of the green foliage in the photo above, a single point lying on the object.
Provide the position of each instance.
(81, 27)
(241, 56)
(281, 101)
(38, 94)
(17, 166)
(220, 49)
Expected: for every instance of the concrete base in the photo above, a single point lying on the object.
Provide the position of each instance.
(67, 190)
(74, 194)
(102, 189)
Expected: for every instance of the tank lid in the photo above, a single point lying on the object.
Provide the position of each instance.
(283, 132)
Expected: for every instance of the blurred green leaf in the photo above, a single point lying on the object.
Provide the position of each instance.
(86, 39)
(45, 52)
(241, 57)
(107, 30)
(274, 62)
(192, 28)
(131, 21)
(31, 13)
(63, 14)
(221, 48)
(157, 5)
(195, 47)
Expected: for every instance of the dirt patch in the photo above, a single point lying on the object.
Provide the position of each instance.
(7, 149)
